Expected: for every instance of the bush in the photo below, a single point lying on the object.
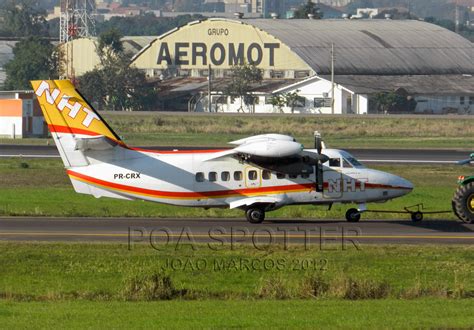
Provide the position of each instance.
(366, 289)
(149, 287)
(314, 287)
(273, 288)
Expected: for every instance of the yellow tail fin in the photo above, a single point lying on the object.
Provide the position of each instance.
(66, 111)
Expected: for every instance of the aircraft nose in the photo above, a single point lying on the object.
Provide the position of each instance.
(401, 184)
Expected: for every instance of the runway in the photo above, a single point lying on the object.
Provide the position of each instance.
(228, 232)
(396, 156)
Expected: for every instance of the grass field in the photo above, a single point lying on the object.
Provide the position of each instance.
(46, 187)
(301, 314)
(88, 285)
(338, 131)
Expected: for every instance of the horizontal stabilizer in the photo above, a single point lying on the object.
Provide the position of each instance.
(254, 200)
(95, 143)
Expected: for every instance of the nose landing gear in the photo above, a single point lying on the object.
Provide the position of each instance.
(353, 215)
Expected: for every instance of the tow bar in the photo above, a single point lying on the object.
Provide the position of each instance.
(416, 211)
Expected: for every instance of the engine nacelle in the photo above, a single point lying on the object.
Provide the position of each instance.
(263, 137)
(271, 148)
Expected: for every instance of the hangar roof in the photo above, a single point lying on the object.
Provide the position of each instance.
(373, 47)
(413, 84)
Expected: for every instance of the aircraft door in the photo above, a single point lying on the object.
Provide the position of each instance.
(333, 179)
(253, 177)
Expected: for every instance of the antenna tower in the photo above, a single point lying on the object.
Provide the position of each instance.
(76, 19)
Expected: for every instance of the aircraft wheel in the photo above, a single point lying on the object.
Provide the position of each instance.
(416, 216)
(353, 215)
(255, 215)
(463, 203)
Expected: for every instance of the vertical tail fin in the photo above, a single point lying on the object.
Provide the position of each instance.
(71, 120)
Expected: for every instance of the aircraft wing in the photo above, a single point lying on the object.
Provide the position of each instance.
(254, 200)
(275, 152)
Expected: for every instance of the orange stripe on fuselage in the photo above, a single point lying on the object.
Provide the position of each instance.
(194, 194)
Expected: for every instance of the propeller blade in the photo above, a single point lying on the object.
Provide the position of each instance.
(315, 158)
(317, 142)
(466, 161)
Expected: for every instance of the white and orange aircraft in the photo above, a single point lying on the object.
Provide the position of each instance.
(261, 173)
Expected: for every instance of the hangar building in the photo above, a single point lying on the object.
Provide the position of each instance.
(371, 56)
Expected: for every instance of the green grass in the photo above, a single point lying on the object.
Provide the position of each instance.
(394, 314)
(338, 131)
(81, 285)
(70, 271)
(46, 187)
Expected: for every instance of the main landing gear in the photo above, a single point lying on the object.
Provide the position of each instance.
(255, 214)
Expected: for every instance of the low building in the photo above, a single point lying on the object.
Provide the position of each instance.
(438, 94)
(20, 115)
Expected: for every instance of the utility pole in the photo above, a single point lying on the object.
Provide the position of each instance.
(332, 78)
(456, 18)
(209, 78)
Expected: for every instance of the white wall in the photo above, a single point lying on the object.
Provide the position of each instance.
(11, 127)
(344, 101)
(361, 104)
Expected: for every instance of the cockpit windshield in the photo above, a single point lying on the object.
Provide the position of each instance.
(354, 162)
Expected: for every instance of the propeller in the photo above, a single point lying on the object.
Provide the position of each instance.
(321, 158)
(466, 161)
(318, 145)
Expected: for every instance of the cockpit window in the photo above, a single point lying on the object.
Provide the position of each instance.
(335, 162)
(345, 163)
(354, 162)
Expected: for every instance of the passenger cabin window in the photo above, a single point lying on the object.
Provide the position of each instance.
(252, 175)
(293, 176)
(305, 175)
(280, 176)
(212, 176)
(225, 176)
(335, 162)
(266, 175)
(199, 177)
(238, 176)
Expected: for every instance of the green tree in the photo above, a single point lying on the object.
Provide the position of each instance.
(23, 19)
(91, 85)
(115, 85)
(242, 78)
(306, 9)
(289, 99)
(34, 58)
(386, 102)
(110, 43)
(278, 101)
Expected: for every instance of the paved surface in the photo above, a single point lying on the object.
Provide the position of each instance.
(223, 232)
(415, 156)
